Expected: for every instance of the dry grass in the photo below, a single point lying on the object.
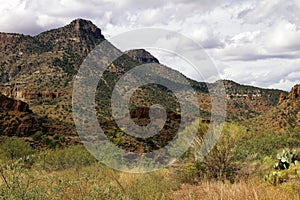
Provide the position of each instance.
(254, 189)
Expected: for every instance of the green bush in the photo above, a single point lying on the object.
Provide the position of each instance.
(14, 148)
(70, 157)
(218, 164)
(265, 144)
(37, 136)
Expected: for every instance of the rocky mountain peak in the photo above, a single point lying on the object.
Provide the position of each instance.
(142, 56)
(78, 31)
(83, 26)
(295, 92)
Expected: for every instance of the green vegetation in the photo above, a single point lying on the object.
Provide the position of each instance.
(13, 148)
(286, 159)
(240, 161)
(72, 173)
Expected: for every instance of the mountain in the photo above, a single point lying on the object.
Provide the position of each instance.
(243, 101)
(64, 47)
(40, 71)
(284, 116)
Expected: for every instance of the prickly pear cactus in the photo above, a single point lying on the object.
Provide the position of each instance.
(285, 159)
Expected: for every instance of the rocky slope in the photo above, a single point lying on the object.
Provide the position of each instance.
(285, 116)
(16, 119)
(39, 70)
(141, 55)
(243, 101)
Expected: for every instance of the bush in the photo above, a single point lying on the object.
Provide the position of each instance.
(14, 148)
(71, 157)
(219, 163)
(265, 144)
(37, 136)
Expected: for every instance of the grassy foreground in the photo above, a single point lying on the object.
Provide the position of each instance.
(230, 171)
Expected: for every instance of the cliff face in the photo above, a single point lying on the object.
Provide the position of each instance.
(16, 119)
(17, 91)
(8, 104)
(295, 92)
(285, 115)
(245, 102)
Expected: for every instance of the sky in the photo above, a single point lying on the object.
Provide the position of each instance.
(254, 42)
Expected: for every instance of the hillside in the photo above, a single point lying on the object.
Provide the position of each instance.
(16, 119)
(245, 102)
(283, 117)
(40, 70)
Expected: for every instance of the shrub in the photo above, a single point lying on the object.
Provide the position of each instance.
(71, 157)
(219, 163)
(285, 159)
(14, 148)
(37, 136)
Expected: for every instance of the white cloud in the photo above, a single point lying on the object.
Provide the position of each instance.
(272, 73)
(283, 37)
(252, 41)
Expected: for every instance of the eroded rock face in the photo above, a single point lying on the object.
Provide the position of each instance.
(86, 27)
(285, 115)
(295, 92)
(17, 92)
(282, 98)
(8, 104)
(16, 119)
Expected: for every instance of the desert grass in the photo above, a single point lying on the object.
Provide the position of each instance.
(246, 190)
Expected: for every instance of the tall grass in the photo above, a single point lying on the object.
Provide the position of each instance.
(252, 190)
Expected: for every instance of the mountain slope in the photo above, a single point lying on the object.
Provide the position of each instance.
(245, 102)
(39, 70)
(284, 116)
(16, 119)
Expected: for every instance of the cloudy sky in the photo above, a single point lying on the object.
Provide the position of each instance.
(253, 42)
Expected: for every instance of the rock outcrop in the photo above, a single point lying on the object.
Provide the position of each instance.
(142, 56)
(284, 116)
(16, 119)
(18, 93)
(295, 92)
(282, 98)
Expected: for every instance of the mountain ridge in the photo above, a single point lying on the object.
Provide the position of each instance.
(42, 74)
